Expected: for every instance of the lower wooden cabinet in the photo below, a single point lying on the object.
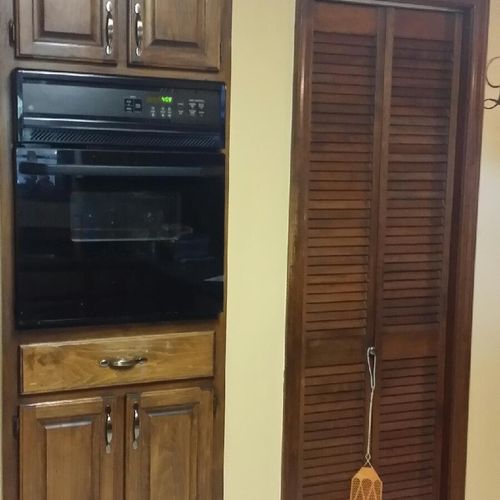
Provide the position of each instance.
(169, 450)
(158, 443)
(64, 453)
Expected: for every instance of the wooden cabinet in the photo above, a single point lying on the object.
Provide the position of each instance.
(175, 33)
(169, 445)
(76, 448)
(168, 34)
(71, 449)
(67, 29)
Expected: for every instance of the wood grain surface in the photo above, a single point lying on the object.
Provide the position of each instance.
(173, 453)
(65, 366)
(177, 34)
(63, 450)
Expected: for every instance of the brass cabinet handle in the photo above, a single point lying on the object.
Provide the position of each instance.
(139, 30)
(110, 27)
(122, 363)
(109, 429)
(136, 427)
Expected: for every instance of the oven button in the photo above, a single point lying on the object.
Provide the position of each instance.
(192, 112)
(152, 112)
(129, 105)
(138, 105)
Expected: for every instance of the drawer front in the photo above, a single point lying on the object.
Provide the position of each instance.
(64, 366)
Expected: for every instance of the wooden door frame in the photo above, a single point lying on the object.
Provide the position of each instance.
(462, 258)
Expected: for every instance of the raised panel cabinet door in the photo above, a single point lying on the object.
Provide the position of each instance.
(169, 445)
(81, 30)
(71, 450)
(182, 34)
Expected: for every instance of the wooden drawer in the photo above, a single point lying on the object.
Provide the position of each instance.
(64, 366)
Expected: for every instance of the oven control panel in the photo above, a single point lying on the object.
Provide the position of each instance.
(99, 98)
(172, 105)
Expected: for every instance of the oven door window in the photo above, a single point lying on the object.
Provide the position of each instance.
(115, 245)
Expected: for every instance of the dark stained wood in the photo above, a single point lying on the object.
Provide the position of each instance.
(170, 454)
(63, 450)
(402, 332)
(176, 33)
(66, 29)
(338, 259)
(415, 249)
(462, 256)
(293, 424)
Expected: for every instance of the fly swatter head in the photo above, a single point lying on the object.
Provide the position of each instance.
(366, 485)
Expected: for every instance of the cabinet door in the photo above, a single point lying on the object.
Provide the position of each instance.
(71, 450)
(175, 33)
(67, 29)
(169, 445)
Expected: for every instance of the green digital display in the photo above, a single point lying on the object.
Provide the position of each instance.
(160, 99)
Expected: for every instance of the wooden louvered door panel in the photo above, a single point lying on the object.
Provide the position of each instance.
(414, 246)
(339, 245)
(370, 260)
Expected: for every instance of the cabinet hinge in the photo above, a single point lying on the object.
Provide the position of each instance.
(12, 33)
(214, 403)
(15, 426)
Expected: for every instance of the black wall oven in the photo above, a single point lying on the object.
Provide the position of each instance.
(119, 199)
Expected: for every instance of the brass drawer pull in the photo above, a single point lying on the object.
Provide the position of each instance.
(122, 363)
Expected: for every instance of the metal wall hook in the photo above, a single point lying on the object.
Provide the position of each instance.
(491, 103)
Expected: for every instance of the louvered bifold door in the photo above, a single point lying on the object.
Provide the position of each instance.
(417, 172)
(374, 183)
(339, 243)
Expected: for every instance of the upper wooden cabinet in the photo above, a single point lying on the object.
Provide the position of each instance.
(67, 29)
(167, 34)
(169, 445)
(71, 449)
(175, 33)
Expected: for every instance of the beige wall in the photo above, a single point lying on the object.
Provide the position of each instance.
(484, 430)
(257, 253)
(262, 79)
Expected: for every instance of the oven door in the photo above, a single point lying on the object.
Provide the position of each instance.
(111, 237)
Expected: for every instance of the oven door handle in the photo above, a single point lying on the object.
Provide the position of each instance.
(30, 168)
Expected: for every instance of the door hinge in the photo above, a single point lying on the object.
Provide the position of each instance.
(16, 426)
(12, 33)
